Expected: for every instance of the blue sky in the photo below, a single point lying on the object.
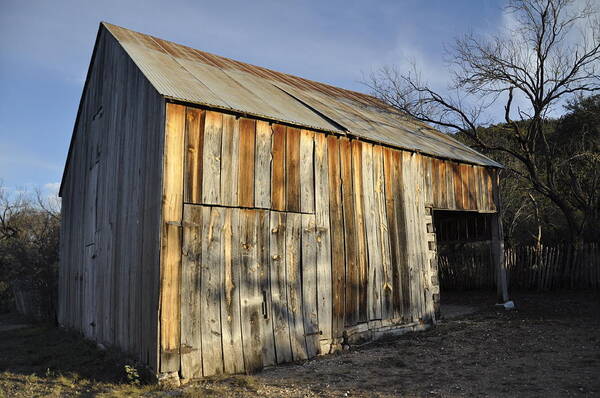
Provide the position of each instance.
(45, 48)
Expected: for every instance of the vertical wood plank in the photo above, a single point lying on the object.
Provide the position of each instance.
(250, 295)
(337, 230)
(383, 233)
(233, 356)
(361, 239)
(323, 238)
(279, 298)
(230, 148)
(309, 284)
(172, 211)
(191, 342)
(246, 173)
(458, 186)
(307, 174)
(194, 136)
(266, 318)
(294, 286)
(210, 293)
(262, 174)
(292, 159)
(450, 195)
(352, 282)
(278, 170)
(375, 258)
(211, 162)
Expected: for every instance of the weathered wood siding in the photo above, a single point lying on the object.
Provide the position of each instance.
(111, 208)
(456, 186)
(293, 238)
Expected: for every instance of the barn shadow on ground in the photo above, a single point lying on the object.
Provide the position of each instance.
(548, 346)
(41, 349)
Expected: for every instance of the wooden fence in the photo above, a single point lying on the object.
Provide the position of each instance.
(469, 266)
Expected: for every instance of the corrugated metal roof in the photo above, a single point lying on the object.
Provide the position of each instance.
(189, 75)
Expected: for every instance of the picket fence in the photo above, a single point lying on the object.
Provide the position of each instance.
(529, 267)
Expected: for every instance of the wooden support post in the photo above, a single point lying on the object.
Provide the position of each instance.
(498, 244)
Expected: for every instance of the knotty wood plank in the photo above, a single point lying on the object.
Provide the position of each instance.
(191, 340)
(409, 182)
(172, 210)
(396, 225)
(309, 284)
(361, 239)
(230, 145)
(278, 185)
(472, 184)
(442, 186)
(250, 295)
(233, 355)
(277, 249)
(307, 172)
(323, 238)
(246, 173)
(374, 250)
(427, 165)
(292, 159)
(262, 174)
(294, 286)
(450, 195)
(211, 162)
(427, 308)
(458, 186)
(352, 284)
(263, 249)
(383, 233)
(338, 271)
(194, 136)
(210, 293)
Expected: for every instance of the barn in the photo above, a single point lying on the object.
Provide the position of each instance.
(219, 217)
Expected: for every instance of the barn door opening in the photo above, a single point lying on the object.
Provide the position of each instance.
(463, 250)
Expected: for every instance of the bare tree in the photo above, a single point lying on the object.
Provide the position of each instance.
(550, 55)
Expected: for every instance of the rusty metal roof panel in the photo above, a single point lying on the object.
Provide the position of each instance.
(190, 75)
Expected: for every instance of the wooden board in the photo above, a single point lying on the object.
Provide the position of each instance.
(250, 294)
(374, 251)
(307, 172)
(233, 355)
(383, 232)
(338, 268)
(191, 342)
(172, 210)
(194, 136)
(210, 292)
(309, 285)
(323, 241)
(262, 173)
(266, 318)
(292, 164)
(396, 228)
(211, 161)
(278, 185)
(348, 228)
(294, 286)
(246, 173)
(361, 239)
(230, 155)
(277, 249)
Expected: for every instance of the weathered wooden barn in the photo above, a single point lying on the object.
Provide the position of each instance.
(220, 217)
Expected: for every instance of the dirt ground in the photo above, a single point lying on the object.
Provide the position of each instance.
(549, 346)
